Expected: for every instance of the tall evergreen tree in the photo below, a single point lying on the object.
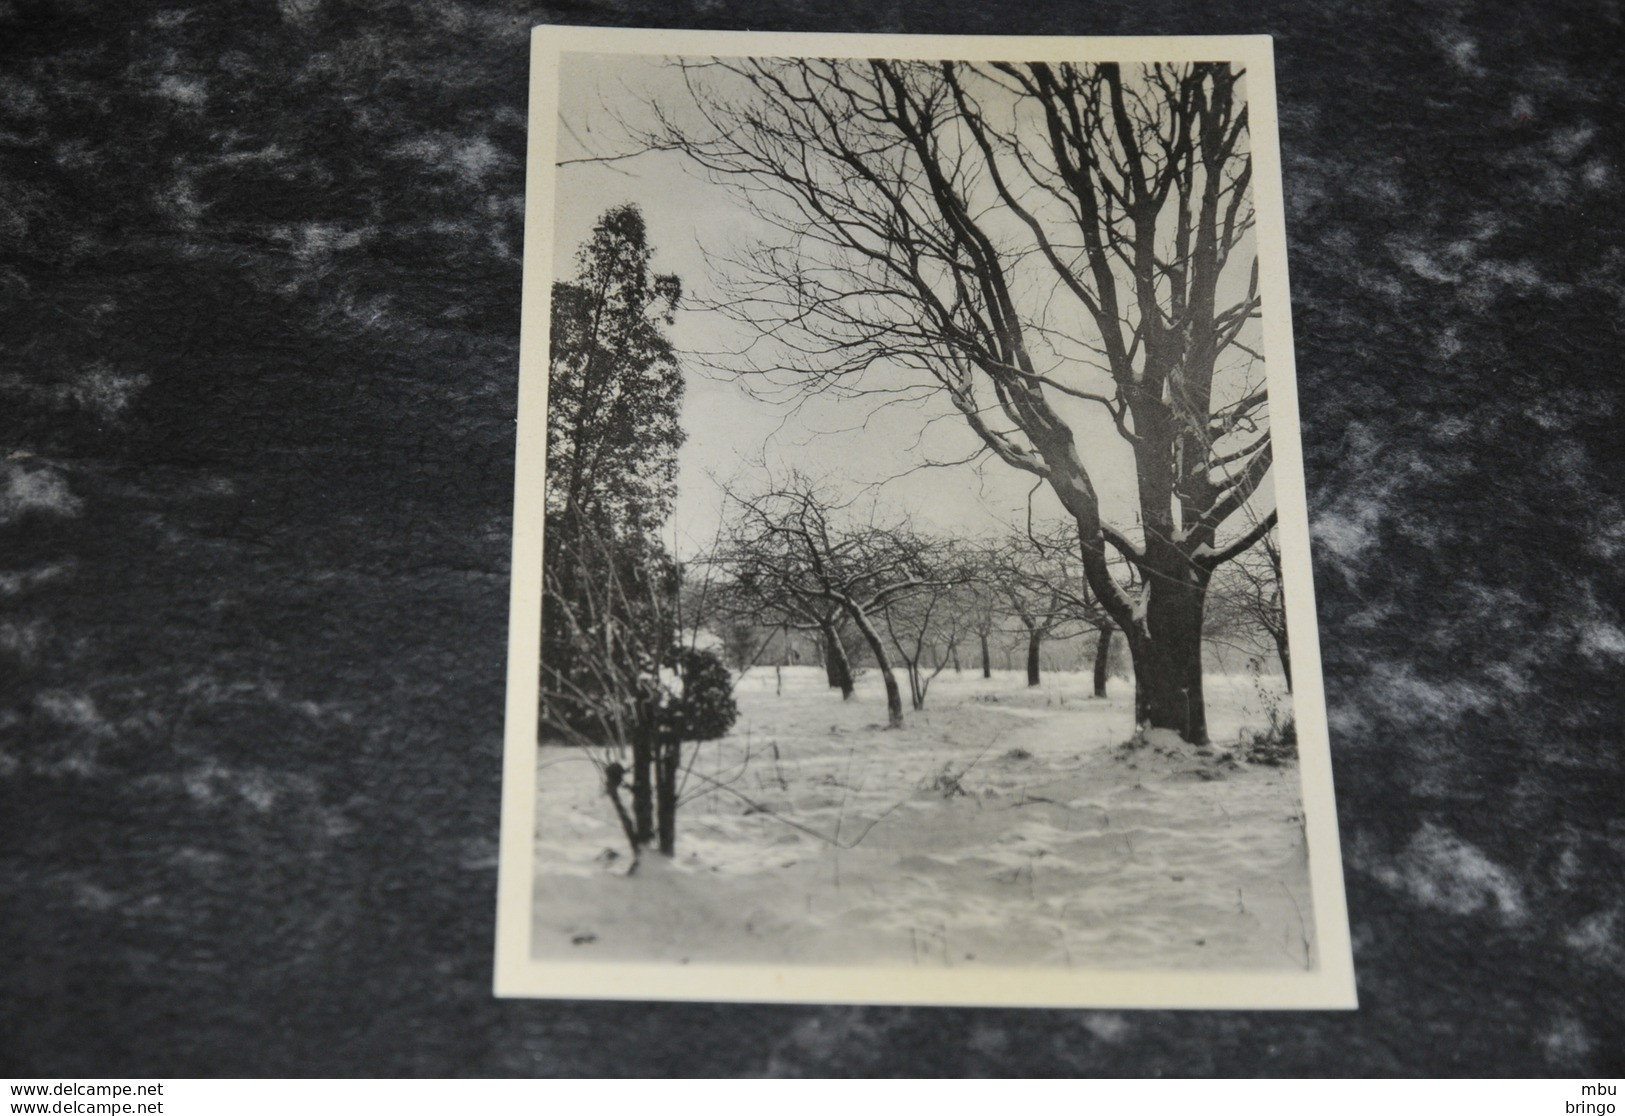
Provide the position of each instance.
(609, 614)
(614, 385)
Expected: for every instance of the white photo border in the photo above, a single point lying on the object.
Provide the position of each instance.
(1330, 985)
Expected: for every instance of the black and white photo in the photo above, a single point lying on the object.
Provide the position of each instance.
(911, 588)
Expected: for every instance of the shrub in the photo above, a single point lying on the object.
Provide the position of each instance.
(706, 708)
(1274, 745)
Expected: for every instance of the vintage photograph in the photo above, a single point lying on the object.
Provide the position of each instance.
(911, 594)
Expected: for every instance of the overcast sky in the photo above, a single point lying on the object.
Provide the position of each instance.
(691, 223)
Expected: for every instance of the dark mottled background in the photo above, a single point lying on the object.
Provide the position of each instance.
(259, 291)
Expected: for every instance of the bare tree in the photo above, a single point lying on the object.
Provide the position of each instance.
(1040, 575)
(1058, 251)
(632, 692)
(1248, 606)
(980, 604)
(608, 606)
(813, 614)
(925, 621)
(784, 546)
(1035, 594)
(1085, 610)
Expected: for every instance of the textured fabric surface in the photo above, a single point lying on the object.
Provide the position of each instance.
(259, 291)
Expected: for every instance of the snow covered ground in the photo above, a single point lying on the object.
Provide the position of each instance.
(1001, 826)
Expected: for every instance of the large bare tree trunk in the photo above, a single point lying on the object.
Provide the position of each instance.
(987, 668)
(1103, 650)
(1034, 639)
(1165, 641)
(1168, 657)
